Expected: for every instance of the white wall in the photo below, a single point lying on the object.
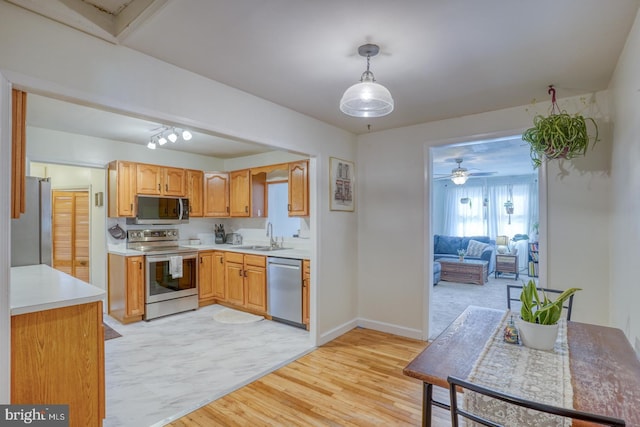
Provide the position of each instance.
(45, 57)
(393, 221)
(625, 229)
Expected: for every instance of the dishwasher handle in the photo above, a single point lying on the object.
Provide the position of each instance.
(291, 267)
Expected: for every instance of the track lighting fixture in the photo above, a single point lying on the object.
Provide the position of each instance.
(173, 136)
(165, 133)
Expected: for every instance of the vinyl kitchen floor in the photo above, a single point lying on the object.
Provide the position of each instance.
(163, 369)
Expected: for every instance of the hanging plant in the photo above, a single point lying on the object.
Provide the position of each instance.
(508, 205)
(559, 135)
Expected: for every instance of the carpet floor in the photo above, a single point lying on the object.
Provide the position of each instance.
(449, 299)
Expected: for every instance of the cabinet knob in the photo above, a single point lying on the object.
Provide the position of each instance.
(159, 188)
(240, 271)
(166, 187)
(221, 260)
(246, 209)
(289, 207)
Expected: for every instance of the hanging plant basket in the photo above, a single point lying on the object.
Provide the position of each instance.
(559, 135)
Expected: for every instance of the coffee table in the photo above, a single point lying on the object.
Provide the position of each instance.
(467, 271)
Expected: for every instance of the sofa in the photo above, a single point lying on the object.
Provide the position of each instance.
(447, 247)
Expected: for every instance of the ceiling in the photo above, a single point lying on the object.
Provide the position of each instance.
(439, 59)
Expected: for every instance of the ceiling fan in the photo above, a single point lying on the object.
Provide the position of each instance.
(459, 175)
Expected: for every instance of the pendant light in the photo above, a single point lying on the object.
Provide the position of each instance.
(367, 98)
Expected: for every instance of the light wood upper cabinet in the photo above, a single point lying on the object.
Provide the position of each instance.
(195, 192)
(148, 179)
(122, 189)
(216, 194)
(157, 180)
(299, 188)
(240, 193)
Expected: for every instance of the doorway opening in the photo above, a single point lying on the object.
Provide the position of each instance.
(490, 216)
(78, 219)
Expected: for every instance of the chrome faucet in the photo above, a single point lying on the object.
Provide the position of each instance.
(272, 242)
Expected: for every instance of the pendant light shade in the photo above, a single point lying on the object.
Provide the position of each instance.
(367, 98)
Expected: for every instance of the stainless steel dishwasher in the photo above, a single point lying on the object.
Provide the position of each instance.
(284, 277)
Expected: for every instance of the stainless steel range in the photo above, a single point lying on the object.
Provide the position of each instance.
(171, 274)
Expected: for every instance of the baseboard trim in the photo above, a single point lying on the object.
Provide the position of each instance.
(389, 328)
(337, 331)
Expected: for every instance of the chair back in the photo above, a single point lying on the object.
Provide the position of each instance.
(514, 291)
(456, 384)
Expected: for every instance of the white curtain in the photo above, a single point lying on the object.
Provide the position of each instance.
(484, 213)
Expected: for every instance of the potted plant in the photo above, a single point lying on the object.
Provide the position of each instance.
(461, 254)
(539, 316)
(559, 135)
(508, 205)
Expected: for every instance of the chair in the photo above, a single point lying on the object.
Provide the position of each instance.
(456, 412)
(568, 304)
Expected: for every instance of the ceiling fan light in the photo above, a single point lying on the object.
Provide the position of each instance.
(186, 135)
(459, 179)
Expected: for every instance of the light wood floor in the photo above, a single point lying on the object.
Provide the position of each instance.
(355, 380)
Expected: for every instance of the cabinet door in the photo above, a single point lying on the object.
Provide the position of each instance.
(234, 281)
(174, 182)
(299, 189)
(134, 305)
(218, 276)
(195, 192)
(205, 276)
(216, 194)
(240, 193)
(256, 283)
(122, 189)
(148, 179)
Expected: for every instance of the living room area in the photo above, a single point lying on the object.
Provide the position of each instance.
(484, 217)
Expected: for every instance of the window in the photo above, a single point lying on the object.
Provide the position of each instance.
(278, 200)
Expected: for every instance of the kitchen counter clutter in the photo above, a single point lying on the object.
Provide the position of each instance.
(40, 287)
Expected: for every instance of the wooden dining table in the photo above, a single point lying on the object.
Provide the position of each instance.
(605, 371)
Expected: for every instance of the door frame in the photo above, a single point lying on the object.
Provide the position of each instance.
(429, 203)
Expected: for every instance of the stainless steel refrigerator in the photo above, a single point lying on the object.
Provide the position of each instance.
(31, 233)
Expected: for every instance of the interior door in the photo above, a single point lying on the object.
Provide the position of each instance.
(70, 230)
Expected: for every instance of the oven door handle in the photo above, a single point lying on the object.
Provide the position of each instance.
(166, 258)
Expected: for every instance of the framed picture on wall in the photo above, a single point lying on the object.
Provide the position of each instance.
(341, 186)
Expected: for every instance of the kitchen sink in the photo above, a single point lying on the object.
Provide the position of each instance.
(259, 248)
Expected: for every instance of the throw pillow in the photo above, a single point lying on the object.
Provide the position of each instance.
(475, 248)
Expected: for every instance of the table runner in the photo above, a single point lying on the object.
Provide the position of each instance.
(543, 376)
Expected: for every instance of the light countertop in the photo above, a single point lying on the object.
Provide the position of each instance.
(282, 253)
(40, 287)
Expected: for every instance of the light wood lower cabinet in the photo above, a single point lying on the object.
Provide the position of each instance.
(57, 357)
(306, 291)
(126, 288)
(246, 281)
(211, 287)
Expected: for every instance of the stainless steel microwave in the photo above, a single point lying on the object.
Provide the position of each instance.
(161, 210)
